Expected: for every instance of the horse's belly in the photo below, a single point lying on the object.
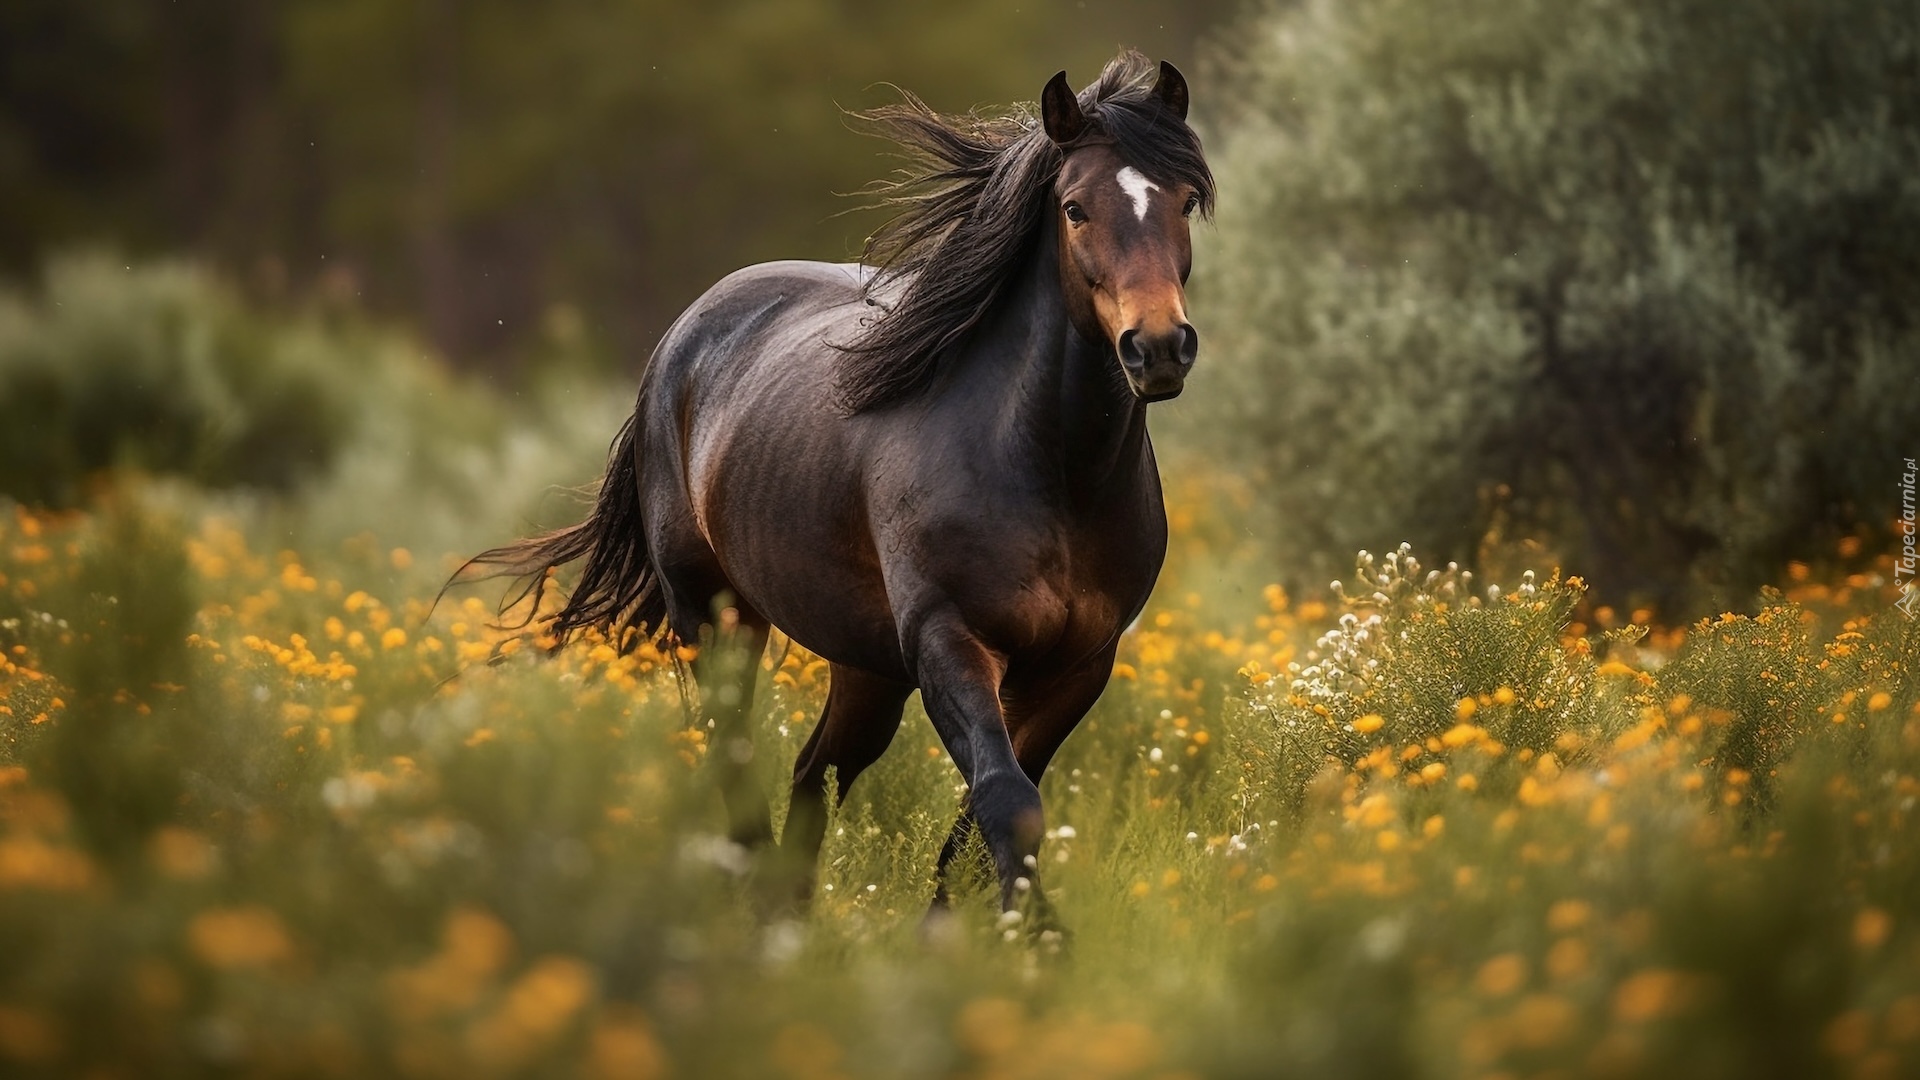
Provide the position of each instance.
(828, 611)
(799, 553)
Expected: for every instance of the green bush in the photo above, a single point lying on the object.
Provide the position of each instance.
(160, 369)
(347, 427)
(1635, 278)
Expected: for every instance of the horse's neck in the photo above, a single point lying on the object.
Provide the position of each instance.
(1065, 396)
(1103, 426)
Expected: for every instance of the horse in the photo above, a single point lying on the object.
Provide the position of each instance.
(930, 468)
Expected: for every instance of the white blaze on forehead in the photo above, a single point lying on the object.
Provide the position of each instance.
(1136, 186)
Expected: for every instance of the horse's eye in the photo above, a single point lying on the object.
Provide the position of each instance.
(1074, 213)
(1193, 203)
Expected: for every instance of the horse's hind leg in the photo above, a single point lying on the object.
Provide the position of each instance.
(860, 719)
(726, 669)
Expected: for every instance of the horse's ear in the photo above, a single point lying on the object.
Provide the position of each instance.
(1171, 89)
(1060, 111)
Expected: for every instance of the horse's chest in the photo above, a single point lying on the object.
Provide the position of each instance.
(1056, 587)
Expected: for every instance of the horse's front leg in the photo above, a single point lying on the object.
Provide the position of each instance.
(1038, 720)
(960, 685)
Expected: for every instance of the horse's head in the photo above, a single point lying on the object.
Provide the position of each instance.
(1124, 245)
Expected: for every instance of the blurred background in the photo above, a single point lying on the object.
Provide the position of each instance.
(302, 301)
(1624, 286)
(498, 172)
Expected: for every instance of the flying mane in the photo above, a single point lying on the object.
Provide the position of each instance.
(969, 205)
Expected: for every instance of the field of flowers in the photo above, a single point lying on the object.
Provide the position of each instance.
(271, 812)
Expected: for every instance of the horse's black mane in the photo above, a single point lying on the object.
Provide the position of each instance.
(969, 206)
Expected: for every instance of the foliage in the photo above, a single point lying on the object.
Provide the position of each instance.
(510, 175)
(162, 369)
(261, 811)
(1636, 279)
(159, 369)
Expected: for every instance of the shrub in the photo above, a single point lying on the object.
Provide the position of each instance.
(347, 426)
(160, 369)
(1637, 278)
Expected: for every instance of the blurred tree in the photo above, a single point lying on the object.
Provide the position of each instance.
(1635, 277)
(506, 170)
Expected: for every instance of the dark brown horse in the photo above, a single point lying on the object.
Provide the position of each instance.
(934, 472)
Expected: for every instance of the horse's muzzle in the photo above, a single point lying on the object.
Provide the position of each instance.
(1156, 365)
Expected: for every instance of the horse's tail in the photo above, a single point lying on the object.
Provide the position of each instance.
(619, 589)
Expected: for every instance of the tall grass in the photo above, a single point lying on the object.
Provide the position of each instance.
(260, 813)
(264, 810)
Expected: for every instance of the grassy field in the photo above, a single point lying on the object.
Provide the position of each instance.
(262, 814)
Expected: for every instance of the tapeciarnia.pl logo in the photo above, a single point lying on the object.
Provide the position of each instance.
(1905, 564)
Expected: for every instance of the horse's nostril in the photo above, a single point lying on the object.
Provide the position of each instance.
(1129, 349)
(1189, 343)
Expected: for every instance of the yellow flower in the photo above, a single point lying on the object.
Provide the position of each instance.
(393, 638)
(1849, 1034)
(1651, 994)
(239, 937)
(1368, 724)
(1502, 975)
(1465, 708)
(1567, 959)
(28, 1036)
(29, 862)
(537, 1009)
(1543, 1020)
(1567, 915)
(624, 1047)
(1871, 928)
(182, 853)
(1903, 1018)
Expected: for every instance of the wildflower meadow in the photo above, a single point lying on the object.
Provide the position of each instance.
(272, 811)
(1595, 322)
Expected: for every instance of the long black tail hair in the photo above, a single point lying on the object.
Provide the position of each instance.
(619, 589)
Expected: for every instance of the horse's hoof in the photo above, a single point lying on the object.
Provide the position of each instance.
(939, 927)
(1055, 940)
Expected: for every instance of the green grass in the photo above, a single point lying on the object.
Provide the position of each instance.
(261, 815)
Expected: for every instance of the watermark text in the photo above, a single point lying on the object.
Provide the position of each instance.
(1907, 561)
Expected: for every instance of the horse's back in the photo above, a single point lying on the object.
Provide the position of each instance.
(749, 465)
